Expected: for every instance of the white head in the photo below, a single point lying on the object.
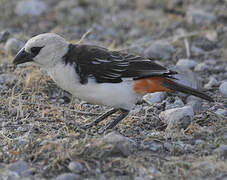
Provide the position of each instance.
(45, 50)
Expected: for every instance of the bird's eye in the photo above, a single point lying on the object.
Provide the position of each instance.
(36, 50)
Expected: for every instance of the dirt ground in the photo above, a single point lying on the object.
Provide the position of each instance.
(40, 125)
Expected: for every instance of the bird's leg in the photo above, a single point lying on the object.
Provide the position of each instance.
(101, 118)
(118, 119)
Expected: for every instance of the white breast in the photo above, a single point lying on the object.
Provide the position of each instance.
(118, 95)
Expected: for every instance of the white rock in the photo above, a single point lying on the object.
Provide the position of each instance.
(222, 112)
(212, 82)
(177, 117)
(30, 7)
(121, 145)
(178, 103)
(152, 98)
(13, 45)
(19, 167)
(223, 89)
(76, 167)
(187, 63)
(7, 78)
(196, 15)
(67, 176)
(195, 103)
(201, 67)
(160, 50)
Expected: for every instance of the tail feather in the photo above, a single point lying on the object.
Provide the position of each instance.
(188, 90)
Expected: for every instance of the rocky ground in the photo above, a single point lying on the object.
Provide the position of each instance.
(167, 136)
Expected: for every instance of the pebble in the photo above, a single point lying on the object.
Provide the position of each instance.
(153, 98)
(4, 36)
(19, 167)
(160, 50)
(201, 67)
(212, 82)
(13, 45)
(7, 78)
(178, 103)
(76, 167)
(67, 176)
(177, 118)
(199, 142)
(223, 89)
(30, 7)
(6, 174)
(186, 63)
(168, 146)
(222, 150)
(152, 145)
(199, 16)
(222, 112)
(121, 145)
(195, 103)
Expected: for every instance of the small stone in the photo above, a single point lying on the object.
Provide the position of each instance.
(160, 50)
(199, 142)
(6, 174)
(222, 112)
(4, 36)
(76, 167)
(153, 98)
(30, 7)
(67, 176)
(199, 16)
(197, 50)
(121, 145)
(7, 78)
(178, 103)
(13, 45)
(195, 103)
(223, 89)
(152, 145)
(212, 82)
(19, 167)
(177, 118)
(201, 67)
(168, 146)
(222, 150)
(187, 63)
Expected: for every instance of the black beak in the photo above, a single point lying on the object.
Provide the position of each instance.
(22, 57)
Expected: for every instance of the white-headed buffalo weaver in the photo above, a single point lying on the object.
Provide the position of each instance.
(98, 75)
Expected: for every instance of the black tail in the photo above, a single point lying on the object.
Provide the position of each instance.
(188, 90)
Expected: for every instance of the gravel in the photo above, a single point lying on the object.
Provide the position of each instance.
(68, 176)
(201, 67)
(153, 98)
(160, 50)
(187, 63)
(13, 45)
(177, 118)
(121, 146)
(223, 89)
(198, 16)
(30, 7)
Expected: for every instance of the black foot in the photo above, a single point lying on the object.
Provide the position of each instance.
(100, 118)
(118, 119)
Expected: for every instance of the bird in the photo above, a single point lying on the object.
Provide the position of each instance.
(100, 76)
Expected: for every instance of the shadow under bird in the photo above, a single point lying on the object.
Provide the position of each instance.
(98, 75)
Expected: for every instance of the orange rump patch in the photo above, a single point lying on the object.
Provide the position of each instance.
(150, 85)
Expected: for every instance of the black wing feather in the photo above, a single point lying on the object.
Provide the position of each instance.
(110, 66)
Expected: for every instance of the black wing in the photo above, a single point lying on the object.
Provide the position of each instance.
(110, 66)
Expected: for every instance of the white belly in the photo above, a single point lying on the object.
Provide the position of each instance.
(118, 95)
